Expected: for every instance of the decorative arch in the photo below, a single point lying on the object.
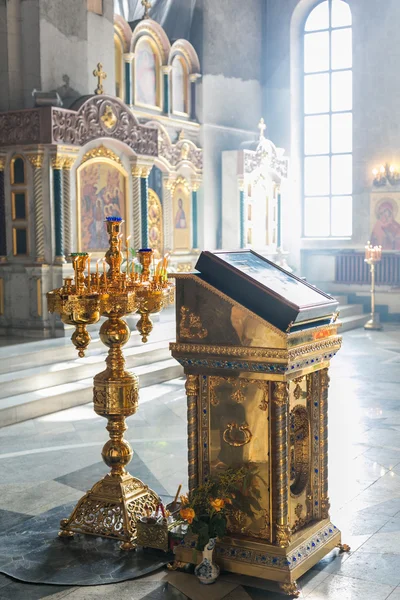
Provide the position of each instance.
(173, 157)
(151, 29)
(124, 32)
(147, 74)
(185, 49)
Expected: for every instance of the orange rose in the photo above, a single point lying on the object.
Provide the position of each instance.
(188, 514)
(217, 503)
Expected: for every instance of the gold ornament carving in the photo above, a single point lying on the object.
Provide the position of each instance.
(101, 152)
(238, 385)
(283, 535)
(192, 385)
(242, 351)
(190, 325)
(290, 589)
(57, 161)
(2, 163)
(109, 117)
(36, 160)
(101, 75)
(230, 434)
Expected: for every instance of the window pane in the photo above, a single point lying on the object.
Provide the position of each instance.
(341, 49)
(316, 217)
(316, 52)
(341, 216)
(342, 175)
(316, 93)
(341, 14)
(316, 135)
(318, 18)
(342, 133)
(342, 90)
(18, 171)
(19, 206)
(21, 243)
(316, 177)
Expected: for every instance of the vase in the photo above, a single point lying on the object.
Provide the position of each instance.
(207, 571)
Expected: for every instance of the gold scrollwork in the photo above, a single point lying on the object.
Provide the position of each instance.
(109, 117)
(299, 450)
(190, 325)
(238, 385)
(101, 152)
(36, 160)
(241, 429)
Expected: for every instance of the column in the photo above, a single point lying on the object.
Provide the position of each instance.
(167, 213)
(3, 241)
(280, 469)
(128, 57)
(166, 70)
(36, 161)
(192, 392)
(67, 208)
(57, 164)
(242, 215)
(136, 211)
(144, 198)
(323, 443)
(193, 79)
(279, 220)
(195, 188)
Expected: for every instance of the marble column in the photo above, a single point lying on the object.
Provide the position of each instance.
(144, 202)
(128, 57)
(36, 161)
(57, 164)
(67, 207)
(193, 79)
(280, 413)
(3, 240)
(242, 215)
(195, 188)
(166, 70)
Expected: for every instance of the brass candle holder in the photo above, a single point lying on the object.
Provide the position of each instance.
(373, 255)
(114, 504)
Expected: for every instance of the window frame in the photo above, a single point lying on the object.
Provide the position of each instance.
(330, 114)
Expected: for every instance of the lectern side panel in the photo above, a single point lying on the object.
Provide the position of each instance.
(239, 438)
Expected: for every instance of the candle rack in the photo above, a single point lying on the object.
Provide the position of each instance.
(113, 505)
(373, 255)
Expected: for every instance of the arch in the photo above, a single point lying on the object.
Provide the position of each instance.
(150, 29)
(19, 205)
(18, 170)
(122, 29)
(185, 49)
(180, 86)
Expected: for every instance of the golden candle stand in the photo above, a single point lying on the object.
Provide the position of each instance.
(113, 505)
(373, 255)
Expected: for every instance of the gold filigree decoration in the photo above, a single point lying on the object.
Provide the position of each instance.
(283, 535)
(238, 385)
(229, 351)
(233, 440)
(190, 325)
(109, 118)
(297, 392)
(318, 347)
(185, 267)
(299, 450)
(36, 160)
(298, 510)
(101, 152)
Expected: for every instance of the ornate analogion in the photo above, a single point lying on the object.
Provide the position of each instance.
(112, 506)
(257, 388)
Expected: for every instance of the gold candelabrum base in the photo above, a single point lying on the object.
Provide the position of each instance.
(374, 322)
(115, 503)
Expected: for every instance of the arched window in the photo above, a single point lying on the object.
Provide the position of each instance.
(119, 90)
(147, 75)
(179, 86)
(328, 123)
(19, 207)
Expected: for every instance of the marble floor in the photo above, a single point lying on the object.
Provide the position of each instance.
(51, 460)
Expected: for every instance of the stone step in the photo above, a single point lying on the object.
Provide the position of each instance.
(340, 298)
(68, 371)
(353, 322)
(21, 407)
(46, 352)
(350, 310)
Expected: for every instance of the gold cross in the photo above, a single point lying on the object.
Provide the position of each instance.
(147, 6)
(100, 74)
(262, 127)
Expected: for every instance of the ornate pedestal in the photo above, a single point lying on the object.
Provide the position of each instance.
(257, 386)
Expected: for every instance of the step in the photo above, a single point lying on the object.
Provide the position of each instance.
(354, 322)
(30, 405)
(45, 352)
(340, 298)
(68, 371)
(350, 310)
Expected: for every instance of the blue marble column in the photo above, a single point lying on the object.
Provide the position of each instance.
(3, 243)
(128, 78)
(58, 209)
(144, 202)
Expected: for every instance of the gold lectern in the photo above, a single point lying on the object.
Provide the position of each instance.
(255, 343)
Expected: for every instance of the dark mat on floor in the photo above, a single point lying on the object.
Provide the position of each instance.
(32, 552)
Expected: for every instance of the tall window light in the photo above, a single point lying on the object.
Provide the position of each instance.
(328, 121)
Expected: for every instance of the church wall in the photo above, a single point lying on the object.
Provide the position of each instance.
(228, 37)
(10, 52)
(376, 111)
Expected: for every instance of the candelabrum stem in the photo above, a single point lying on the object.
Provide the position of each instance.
(374, 321)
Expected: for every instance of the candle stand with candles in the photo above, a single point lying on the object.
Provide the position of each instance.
(114, 504)
(373, 255)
